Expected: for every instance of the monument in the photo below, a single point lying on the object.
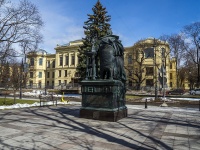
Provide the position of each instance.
(103, 89)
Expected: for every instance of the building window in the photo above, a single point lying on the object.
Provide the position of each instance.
(65, 73)
(40, 75)
(59, 82)
(40, 61)
(48, 74)
(170, 84)
(149, 71)
(129, 59)
(31, 74)
(61, 60)
(53, 64)
(31, 83)
(48, 64)
(163, 52)
(149, 82)
(39, 84)
(47, 83)
(73, 60)
(170, 75)
(149, 53)
(66, 60)
(52, 83)
(53, 74)
(32, 62)
(136, 54)
(65, 81)
(170, 65)
(59, 73)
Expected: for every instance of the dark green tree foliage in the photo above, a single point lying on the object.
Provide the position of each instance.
(15, 78)
(96, 26)
(5, 75)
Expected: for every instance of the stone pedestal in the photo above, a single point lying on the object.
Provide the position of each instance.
(103, 100)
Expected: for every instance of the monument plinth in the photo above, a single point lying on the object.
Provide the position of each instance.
(104, 88)
(101, 100)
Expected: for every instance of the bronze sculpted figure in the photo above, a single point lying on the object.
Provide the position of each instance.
(111, 56)
(107, 60)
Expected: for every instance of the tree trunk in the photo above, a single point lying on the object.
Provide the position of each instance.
(14, 96)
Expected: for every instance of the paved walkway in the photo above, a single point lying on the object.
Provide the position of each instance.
(60, 128)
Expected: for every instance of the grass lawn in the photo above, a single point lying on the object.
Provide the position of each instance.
(10, 101)
(133, 96)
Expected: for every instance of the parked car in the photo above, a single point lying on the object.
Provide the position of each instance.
(176, 92)
(195, 92)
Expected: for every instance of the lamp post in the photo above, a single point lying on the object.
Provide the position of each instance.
(155, 69)
(198, 63)
(190, 80)
(44, 53)
(20, 80)
(45, 80)
(163, 69)
(23, 69)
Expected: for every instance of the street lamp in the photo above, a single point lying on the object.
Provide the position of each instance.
(23, 69)
(20, 80)
(155, 69)
(44, 53)
(190, 80)
(163, 69)
(198, 63)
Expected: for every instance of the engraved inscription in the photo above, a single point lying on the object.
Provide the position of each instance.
(98, 101)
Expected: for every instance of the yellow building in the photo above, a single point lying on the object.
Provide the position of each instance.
(173, 74)
(144, 61)
(41, 69)
(66, 63)
(59, 70)
(56, 70)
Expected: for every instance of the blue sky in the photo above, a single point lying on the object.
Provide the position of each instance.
(131, 20)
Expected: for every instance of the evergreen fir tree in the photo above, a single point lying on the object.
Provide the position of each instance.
(5, 74)
(97, 26)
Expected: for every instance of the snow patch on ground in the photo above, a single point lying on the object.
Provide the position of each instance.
(34, 105)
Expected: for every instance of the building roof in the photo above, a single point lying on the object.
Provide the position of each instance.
(71, 43)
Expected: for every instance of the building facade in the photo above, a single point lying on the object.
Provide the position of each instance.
(41, 69)
(66, 63)
(147, 64)
(54, 70)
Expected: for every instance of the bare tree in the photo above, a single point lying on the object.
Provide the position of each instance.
(2, 2)
(27, 48)
(176, 43)
(192, 33)
(15, 77)
(18, 23)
